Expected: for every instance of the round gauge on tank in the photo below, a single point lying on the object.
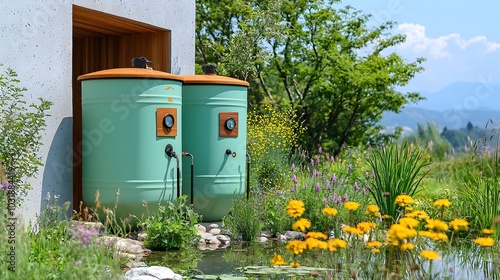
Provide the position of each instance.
(230, 123)
(168, 121)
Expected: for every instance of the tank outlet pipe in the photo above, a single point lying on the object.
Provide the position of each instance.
(248, 175)
(186, 154)
(169, 150)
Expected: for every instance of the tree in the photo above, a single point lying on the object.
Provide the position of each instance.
(324, 61)
(429, 138)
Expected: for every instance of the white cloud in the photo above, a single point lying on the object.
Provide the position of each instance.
(419, 42)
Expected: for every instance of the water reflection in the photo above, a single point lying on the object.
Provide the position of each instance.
(463, 262)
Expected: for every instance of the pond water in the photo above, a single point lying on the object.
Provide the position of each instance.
(465, 263)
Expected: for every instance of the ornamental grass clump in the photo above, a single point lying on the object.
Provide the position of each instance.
(398, 170)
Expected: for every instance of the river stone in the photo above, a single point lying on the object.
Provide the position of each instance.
(261, 239)
(214, 231)
(201, 228)
(212, 240)
(211, 226)
(224, 239)
(151, 273)
(294, 235)
(266, 234)
(129, 246)
(142, 236)
(205, 235)
(282, 237)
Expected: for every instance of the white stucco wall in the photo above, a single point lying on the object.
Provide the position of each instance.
(36, 41)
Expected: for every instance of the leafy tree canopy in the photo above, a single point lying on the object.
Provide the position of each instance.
(325, 61)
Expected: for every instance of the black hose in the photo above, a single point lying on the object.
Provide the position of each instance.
(192, 175)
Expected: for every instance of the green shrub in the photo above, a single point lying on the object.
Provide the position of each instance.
(21, 127)
(244, 219)
(172, 227)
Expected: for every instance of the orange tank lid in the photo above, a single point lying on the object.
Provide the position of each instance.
(130, 73)
(213, 79)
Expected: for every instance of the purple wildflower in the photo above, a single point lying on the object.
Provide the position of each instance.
(325, 201)
(78, 262)
(318, 187)
(366, 174)
(320, 150)
(315, 173)
(364, 191)
(328, 185)
(368, 187)
(293, 167)
(349, 167)
(346, 198)
(312, 162)
(332, 159)
(356, 187)
(317, 161)
(294, 179)
(333, 197)
(5, 185)
(334, 178)
(373, 174)
(292, 190)
(278, 192)
(83, 234)
(339, 200)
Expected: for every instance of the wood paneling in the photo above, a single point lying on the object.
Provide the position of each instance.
(103, 41)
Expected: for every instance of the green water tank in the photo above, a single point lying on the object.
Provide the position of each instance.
(214, 125)
(129, 118)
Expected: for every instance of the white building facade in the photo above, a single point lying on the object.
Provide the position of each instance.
(49, 43)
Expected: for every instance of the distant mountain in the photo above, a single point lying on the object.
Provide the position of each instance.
(452, 107)
(452, 119)
(463, 96)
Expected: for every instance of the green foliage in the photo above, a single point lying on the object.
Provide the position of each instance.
(243, 220)
(326, 62)
(172, 227)
(51, 249)
(479, 187)
(21, 127)
(397, 170)
(271, 136)
(430, 139)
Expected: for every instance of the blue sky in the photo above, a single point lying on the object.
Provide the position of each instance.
(460, 39)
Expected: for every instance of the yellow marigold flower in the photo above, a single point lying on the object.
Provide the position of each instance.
(301, 224)
(418, 214)
(295, 208)
(313, 243)
(296, 247)
(373, 244)
(372, 210)
(386, 217)
(459, 224)
(487, 231)
(484, 241)
(329, 211)
(295, 264)
(334, 244)
(407, 246)
(436, 236)
(409, 209)
(403, 200)
(441, 203)
(278, 260)
(365, 227)
(409, 222)
(375, 250)
(400, 232)
(317, 235)
(351, 230)
(430, 255)
(351, 205)
(436, 225)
